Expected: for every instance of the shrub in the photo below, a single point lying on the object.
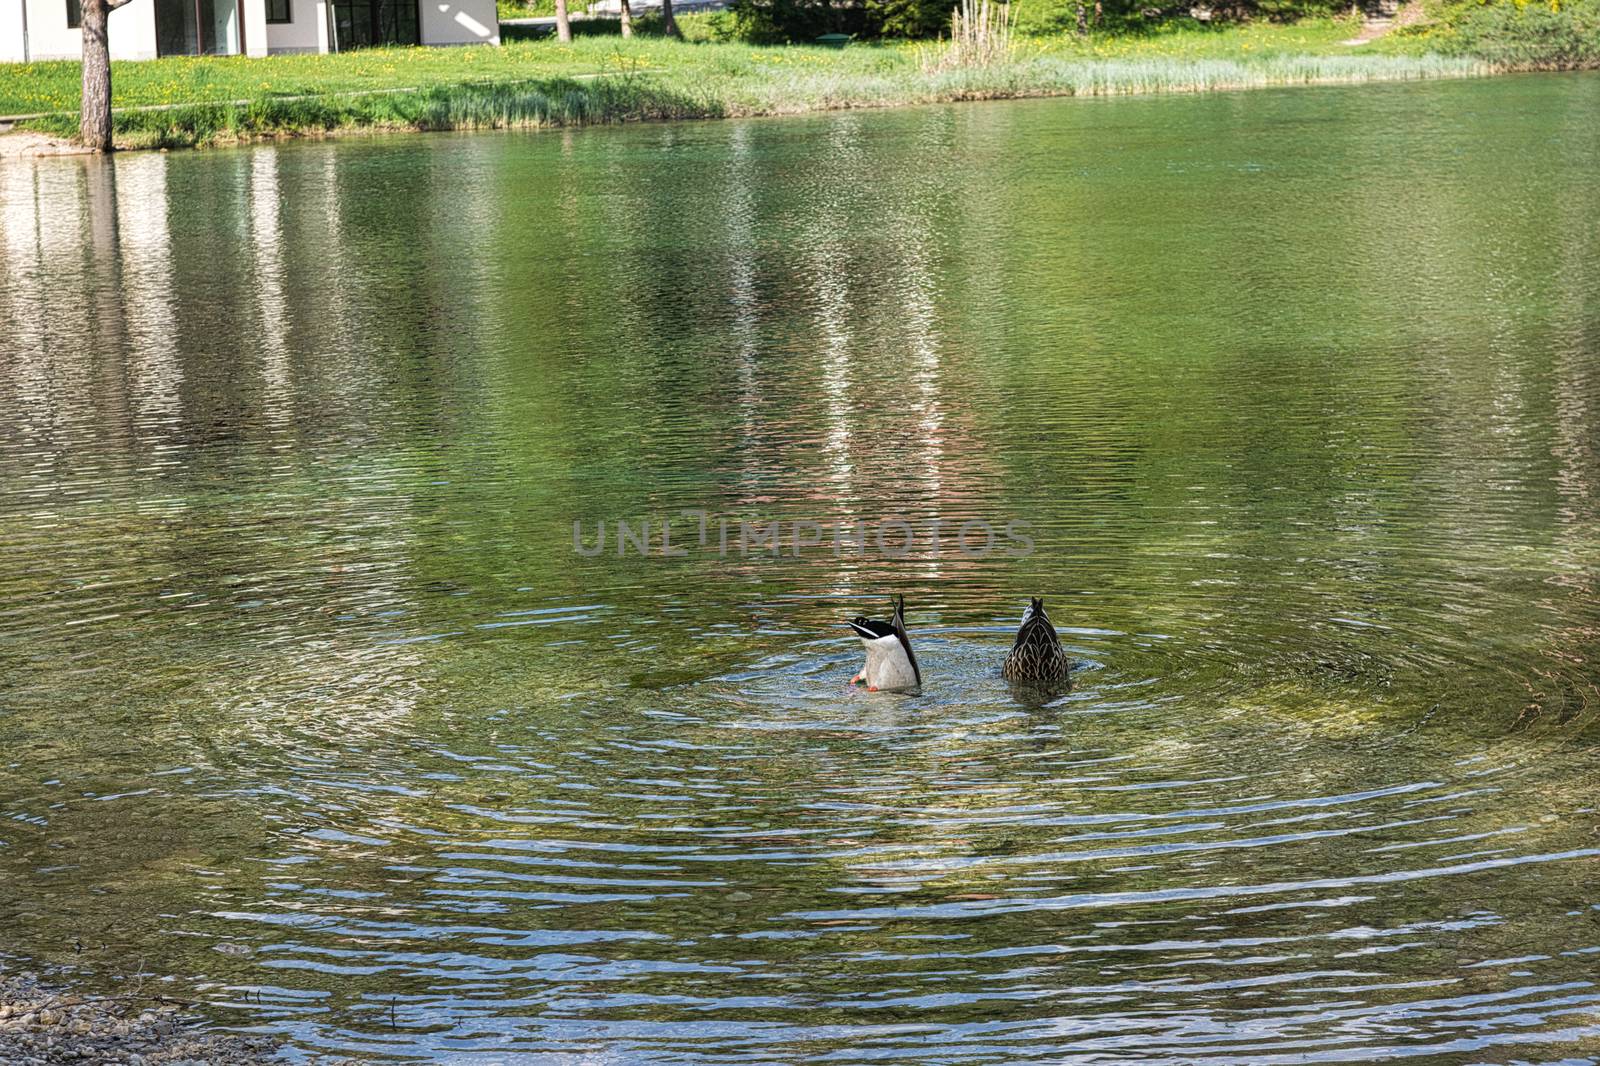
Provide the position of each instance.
(790, 21)
(908, 18)
(802, 21)
(1290, 10)
(779, 21)
(1548, 35)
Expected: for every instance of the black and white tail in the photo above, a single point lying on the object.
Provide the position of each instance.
(891, 664)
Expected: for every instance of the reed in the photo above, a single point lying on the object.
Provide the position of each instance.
(980, 36)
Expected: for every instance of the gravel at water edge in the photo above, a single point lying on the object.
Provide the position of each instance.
(43, 1026)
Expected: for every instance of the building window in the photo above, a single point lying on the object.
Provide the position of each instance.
(278, 11)
(74, 14)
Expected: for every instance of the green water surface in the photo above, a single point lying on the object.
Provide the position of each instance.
(310, 710)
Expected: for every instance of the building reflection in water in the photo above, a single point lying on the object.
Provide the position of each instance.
(266, 232)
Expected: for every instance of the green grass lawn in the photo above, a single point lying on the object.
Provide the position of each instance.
(37, 87)
(602, 79)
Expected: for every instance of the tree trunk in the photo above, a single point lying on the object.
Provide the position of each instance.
(627, 18)
(1083, 19)
(669, 25)
(563, 23)
(94, 113)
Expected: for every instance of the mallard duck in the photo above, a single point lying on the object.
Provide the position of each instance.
(1036, 658)
(891, 664)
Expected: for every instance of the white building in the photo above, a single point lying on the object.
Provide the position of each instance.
(145, 29)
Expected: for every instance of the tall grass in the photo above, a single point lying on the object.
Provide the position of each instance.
(1059, 76)
(531, 104)
(980, 36)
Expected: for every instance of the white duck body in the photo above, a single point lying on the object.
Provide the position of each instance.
(891, 664)
(888, 665)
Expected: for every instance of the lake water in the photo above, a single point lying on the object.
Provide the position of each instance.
(310, 710)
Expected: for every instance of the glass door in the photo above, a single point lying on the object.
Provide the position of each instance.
(197, 27)
(364, 23)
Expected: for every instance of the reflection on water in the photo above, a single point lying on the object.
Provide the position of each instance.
(306, 701)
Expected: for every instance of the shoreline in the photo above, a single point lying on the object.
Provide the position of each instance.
(566, 102)
(42, 1024)
(31, 144)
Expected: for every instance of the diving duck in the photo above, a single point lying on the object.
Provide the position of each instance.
(891, 664)
(1036, 658)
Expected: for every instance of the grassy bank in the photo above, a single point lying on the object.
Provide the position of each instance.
(603, 79)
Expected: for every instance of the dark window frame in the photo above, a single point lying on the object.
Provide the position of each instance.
(377, 19)
(286, 6)
(74, 14)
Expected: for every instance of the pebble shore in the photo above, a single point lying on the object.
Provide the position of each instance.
(45, 1026)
